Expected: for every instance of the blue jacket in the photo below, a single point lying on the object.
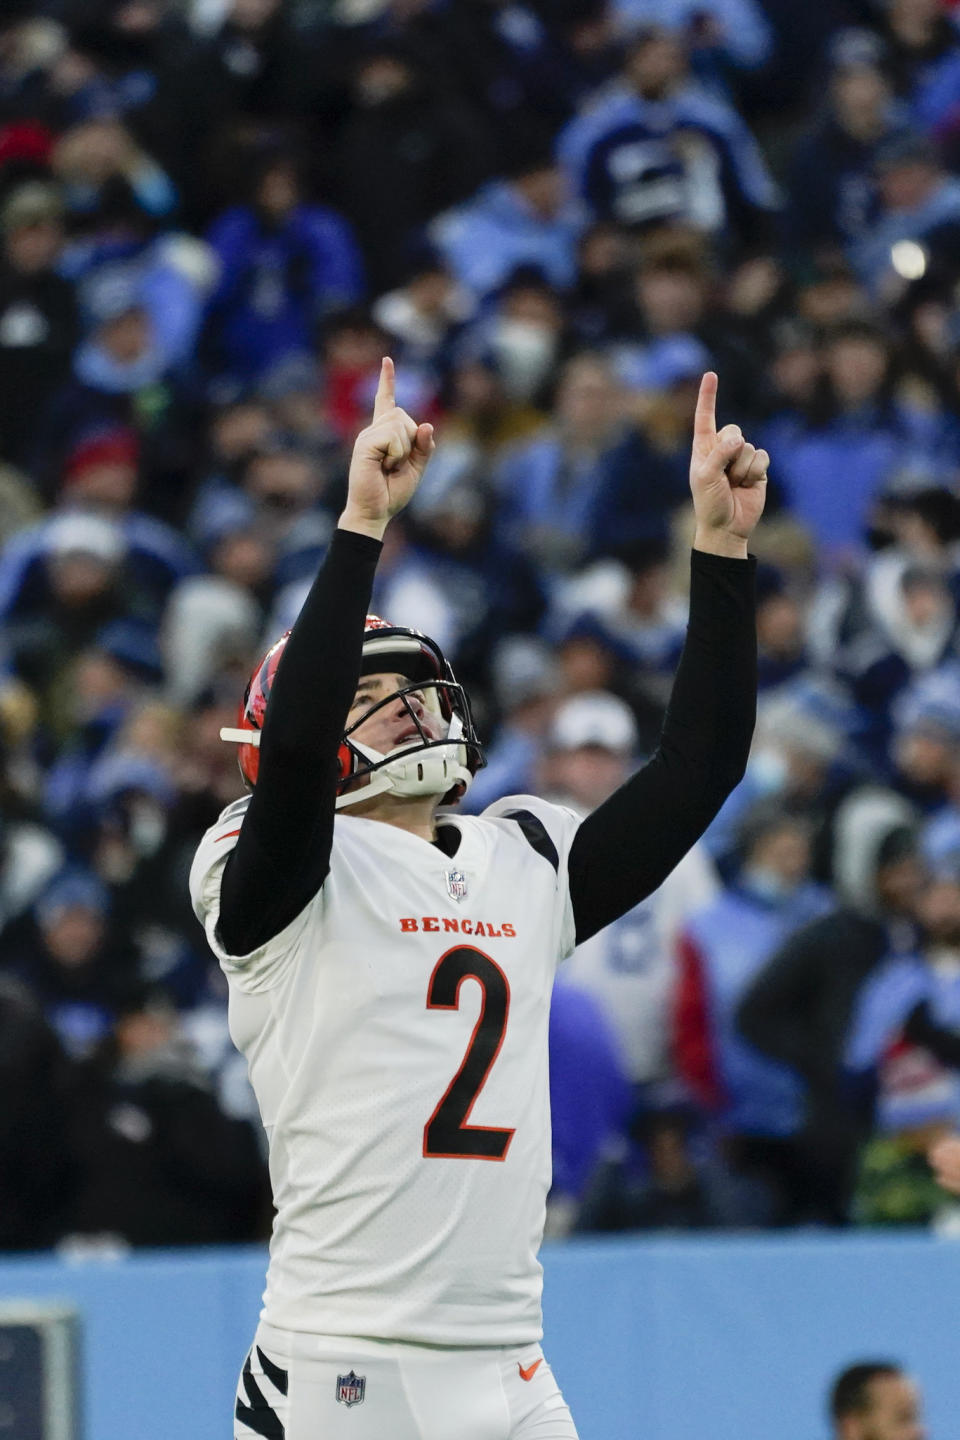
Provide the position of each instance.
(941, 210)
(541, 488)
(590, 1095)
(493, 234)
(831, 474)
(620, 155)
(276, 284)
(734, 937)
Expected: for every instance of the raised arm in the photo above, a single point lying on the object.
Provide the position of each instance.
(629, 845)
(283, 852)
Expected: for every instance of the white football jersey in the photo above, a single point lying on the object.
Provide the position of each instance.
(396, 1037)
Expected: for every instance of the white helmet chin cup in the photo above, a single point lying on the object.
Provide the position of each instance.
(413, 772)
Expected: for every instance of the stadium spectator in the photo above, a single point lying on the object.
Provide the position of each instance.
(919, 206)
(38, 313)
(426, 315)
(799, 1006)
(629, 605)
(836, 459)
(660, 1182)
(122, 378)
(903, 1050)
(548, 488)
(79, 967)
(525, 219)
(833, 195)
(284, 265)
(754, 1103)
(410, 149)
(629, 969)
(658, 147)
(159, 1163)
(926, 744)
(525, 684)
(925, 55)
(802, 761)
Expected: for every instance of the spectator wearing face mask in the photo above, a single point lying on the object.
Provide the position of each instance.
(800, 759)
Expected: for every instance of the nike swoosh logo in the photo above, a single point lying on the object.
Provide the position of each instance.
(528, 1373)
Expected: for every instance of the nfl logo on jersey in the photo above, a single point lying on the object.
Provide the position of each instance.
(350, 1388)
(456, 884)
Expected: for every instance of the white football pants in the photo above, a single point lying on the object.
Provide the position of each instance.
(315, 1387)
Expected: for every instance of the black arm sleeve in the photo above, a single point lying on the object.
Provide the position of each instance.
(283, 853)
(629, 845)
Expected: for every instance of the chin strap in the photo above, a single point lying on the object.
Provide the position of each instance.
(412, 772)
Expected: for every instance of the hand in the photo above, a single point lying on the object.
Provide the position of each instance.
(728, 478)
(389, 459)
(944, 1156)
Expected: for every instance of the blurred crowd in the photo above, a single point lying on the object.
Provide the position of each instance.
(215, 217)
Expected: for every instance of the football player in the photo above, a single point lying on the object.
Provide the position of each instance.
(390, 967)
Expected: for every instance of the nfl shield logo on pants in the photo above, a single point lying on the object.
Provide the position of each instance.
(456, 884)
(350, 1388)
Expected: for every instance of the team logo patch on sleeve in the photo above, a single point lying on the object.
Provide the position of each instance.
(351, 1388)
(456, 884)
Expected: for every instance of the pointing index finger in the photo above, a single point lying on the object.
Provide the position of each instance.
(385, 398)
(705, 420)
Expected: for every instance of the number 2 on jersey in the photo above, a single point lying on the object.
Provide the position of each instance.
(447, 1134)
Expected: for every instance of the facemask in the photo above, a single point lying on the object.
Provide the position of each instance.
(768, 770)
(524, 352)
(767, 884)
